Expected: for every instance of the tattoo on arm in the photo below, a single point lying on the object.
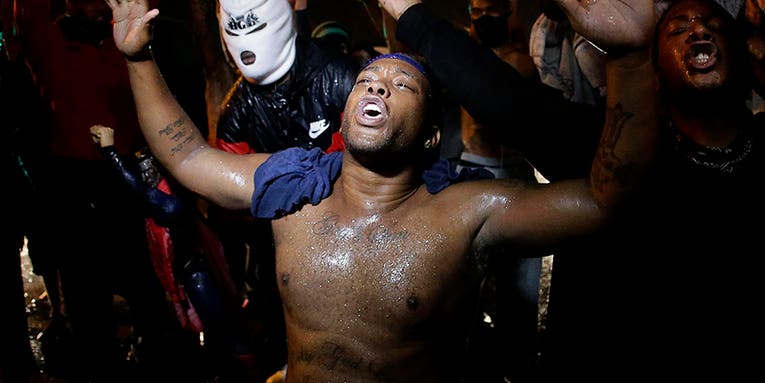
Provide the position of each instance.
(178, 132)
(609, 167)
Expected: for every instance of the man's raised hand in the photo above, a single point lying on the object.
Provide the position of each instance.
(131, 29)
(614, 25)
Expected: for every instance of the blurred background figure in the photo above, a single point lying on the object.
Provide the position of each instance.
(511, 289)
(186, 256)
(20, 113)
(493, 25)
(333, 36)
(87, 226)
(567, 61)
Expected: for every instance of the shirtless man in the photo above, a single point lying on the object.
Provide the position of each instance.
(377, 274)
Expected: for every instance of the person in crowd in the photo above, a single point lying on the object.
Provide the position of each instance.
(490, 25)
(290, 93)
(22, 99)
(219, 70)
(334, 36)
(184, 257)
(86, 225)
(511, 293)
(375, 250)
(694, 307)
(565, 60)
(164, 210)
(278, 66)
(20, 109)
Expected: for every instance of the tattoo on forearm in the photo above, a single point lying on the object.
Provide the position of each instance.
(609, 167)
(178, 132)
(334, 357)
(178, 135)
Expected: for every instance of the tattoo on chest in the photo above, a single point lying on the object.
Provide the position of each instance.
(325, 226)
(381, 236)
(375, 234)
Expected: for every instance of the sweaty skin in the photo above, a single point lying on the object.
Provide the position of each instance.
(379, 279)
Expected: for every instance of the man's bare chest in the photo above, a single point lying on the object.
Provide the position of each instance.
(374, 267)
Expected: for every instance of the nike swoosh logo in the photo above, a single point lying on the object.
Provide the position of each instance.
(316, 128)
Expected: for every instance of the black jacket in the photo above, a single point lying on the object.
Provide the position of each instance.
(267, 119)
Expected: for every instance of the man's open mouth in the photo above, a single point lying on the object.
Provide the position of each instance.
(371, 111)
(702, 56)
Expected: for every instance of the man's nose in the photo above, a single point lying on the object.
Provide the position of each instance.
(378, 88)
(699, 32)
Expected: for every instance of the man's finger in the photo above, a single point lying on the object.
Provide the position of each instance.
(149, 16)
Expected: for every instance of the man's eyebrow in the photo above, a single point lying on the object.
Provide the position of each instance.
(372, 68)
(377, 68)
(402, 71)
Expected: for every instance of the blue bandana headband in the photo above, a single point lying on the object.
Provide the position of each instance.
(402, 57)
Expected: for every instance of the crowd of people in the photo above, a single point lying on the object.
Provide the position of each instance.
(275, 210)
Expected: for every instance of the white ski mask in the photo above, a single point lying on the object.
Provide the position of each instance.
(260, 36)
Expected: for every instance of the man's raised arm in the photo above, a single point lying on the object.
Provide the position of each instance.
(225, 179)
(628, 144)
